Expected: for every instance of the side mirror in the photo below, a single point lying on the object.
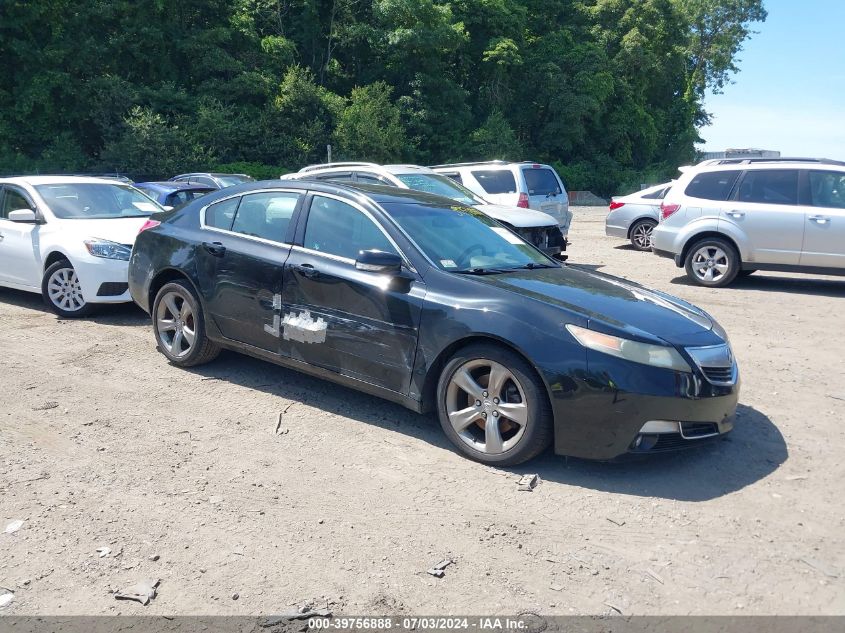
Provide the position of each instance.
(379, 262)
(24, 216)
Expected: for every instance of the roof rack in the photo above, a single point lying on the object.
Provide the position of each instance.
(748, 161)
(480, 162)
(324, 165)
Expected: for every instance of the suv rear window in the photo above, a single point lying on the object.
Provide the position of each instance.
(541, 182)
(712, 185)
(496, 181)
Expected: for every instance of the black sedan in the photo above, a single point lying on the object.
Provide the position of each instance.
(431, 304)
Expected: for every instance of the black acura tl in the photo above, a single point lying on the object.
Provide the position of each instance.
(419, 300)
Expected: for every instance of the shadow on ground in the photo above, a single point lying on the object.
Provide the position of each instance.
(106, 314)
(752, 451)
(770, 282)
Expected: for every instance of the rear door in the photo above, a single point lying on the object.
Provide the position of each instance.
(764, 209)
(20, 252)
(241, 264)
(546, 192)
(359, 324)
(823, 195)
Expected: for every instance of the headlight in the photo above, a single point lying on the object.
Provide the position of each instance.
(108, 250)
(655, 355)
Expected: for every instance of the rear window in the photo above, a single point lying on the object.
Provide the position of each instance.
(657, 195)
(541, 182)
(496, 181)
(712, 185)
(774, 186)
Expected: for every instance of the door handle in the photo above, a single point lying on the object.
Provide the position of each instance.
(819, 219)
(215, 248)
(736, 214)
(307, 270)
(2, 237)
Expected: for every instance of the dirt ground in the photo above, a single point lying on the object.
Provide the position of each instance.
(181, 474)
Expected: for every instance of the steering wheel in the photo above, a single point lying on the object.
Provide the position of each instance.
(463, 258)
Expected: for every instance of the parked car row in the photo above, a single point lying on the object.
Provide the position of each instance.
(728, 218)
(418, 298)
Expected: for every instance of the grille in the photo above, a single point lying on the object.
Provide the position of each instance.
(112, 289)
(693, 430)
(719, 374)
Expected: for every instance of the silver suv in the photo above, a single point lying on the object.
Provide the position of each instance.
(527, 185)
(723, 220)
(540, 229)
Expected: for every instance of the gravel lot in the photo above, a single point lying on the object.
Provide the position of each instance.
(103, 444)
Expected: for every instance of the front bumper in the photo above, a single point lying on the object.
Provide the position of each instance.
(103, 280)
(600, 413)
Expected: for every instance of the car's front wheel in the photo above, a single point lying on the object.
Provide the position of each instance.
(62, 291)
(179, 326)
(712, 262)
(493, 406)
(641, 234)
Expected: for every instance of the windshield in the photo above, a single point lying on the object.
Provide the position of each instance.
(88, 201)
(441, 186)
(463, 239)
(230, 180)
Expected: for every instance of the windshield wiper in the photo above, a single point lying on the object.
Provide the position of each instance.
(479, 271)
(533, 266)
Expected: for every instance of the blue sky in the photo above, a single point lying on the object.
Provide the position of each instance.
(790, 92)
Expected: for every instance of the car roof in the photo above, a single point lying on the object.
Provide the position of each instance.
(59, 180)
(379, 194)
(169, 185)
(490, 164)
(374, 167)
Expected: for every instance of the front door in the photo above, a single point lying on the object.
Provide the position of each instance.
(824, 220)
(765, 210)
(20, 251)
(241, 264)
(359, 324)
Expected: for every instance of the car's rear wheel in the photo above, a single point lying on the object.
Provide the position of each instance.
(641, 234)
(712, 262)
(493, 406)
(180, 327)
(62, 291)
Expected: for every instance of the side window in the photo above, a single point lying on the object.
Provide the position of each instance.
(337, 228)
(827, 189)
(13, 200)
(770, 186)
(496, 181)
(369, 179)
(266, 215)
(712, 185)
(221, 214)
(345, 176)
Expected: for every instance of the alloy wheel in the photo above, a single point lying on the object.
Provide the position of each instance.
(65, 291)
(641, 235)
(176, 324)
(486, 406)
(710, 263)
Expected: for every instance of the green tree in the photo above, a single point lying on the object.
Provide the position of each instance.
(370, 127)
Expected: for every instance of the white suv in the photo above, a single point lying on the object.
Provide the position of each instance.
(536, 227)
(732, 218)
(527, 185)
(69, 239)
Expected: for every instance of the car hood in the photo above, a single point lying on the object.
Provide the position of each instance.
(120, 230)
(517, 216)
(613, 305)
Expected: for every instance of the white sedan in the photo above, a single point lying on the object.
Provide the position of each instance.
(69, 238)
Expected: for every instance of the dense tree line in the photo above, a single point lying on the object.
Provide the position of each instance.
(611, 91)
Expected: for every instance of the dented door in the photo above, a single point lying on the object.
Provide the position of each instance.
(360, 324)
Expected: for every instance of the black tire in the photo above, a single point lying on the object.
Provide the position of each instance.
(536, 434)
(64, 304)
(723, 266)
(637, 229)
(202, 349)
